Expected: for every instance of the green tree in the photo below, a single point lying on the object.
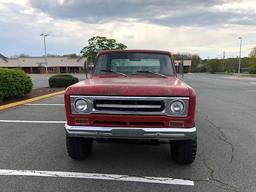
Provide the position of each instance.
(98, 43)
(195, 61)
(214, 65)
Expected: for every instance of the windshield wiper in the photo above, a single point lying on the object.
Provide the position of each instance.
(152, 72)
(110, 71)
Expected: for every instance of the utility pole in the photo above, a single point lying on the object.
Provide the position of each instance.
(239, 62)
(45, 53)
(223, 59)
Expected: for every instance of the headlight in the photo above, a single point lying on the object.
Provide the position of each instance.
(177, 107)
(81, 105)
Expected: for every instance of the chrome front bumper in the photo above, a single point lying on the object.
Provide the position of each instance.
(131, 132)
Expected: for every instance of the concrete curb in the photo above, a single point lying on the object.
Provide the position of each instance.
(14, 104)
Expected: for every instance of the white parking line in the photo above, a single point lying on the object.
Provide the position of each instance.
(43, 104)
(25, 121)
(113, 177)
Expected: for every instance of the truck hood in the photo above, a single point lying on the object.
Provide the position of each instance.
(130, 86)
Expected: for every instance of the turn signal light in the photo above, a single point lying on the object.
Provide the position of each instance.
(176, 124)
(82, 121)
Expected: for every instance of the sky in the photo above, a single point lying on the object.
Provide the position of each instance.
(204, 27)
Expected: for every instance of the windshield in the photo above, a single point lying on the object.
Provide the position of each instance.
(134, 63)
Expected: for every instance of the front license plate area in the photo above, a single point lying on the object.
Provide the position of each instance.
(127, 132)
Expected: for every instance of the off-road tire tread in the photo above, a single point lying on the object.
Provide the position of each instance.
(79, 148)
(184, 151)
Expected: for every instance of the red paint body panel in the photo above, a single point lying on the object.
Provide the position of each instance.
(117, 85)
(133, 85)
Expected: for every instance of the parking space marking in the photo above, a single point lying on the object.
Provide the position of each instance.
(26, 121)
(96, 176)
(43, 104)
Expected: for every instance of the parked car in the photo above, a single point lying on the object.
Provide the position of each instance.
(132, 95)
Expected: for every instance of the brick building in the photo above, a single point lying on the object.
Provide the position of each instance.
(58, 64)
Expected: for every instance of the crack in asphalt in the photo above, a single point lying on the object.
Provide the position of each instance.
(226, 186)
(212, 177)
(222, 136)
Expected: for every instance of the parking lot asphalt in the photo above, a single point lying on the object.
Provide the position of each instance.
(226, 160)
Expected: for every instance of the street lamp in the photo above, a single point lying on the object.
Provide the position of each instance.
(45, 54)
(239, 63)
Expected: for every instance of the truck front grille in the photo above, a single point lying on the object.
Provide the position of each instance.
(129, 105)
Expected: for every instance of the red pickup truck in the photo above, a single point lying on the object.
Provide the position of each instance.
(132, 96)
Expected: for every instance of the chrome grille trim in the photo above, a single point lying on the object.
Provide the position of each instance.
(128, 106)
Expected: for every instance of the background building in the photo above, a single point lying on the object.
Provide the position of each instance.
(56, 64)
(186, 65)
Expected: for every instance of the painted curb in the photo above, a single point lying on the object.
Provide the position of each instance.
(14, 104)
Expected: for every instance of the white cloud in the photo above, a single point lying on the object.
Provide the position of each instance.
(61, 2)
(23, 24)
(238, 6)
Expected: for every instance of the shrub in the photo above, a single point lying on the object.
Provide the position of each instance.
(61, 80)
(214, 65)
(199, 69)
(252, 69)
(14, 83)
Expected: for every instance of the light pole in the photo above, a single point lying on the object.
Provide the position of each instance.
(239, 62)
(45, 54)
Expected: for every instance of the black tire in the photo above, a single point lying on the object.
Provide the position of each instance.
(184, 151)
(79, 148)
